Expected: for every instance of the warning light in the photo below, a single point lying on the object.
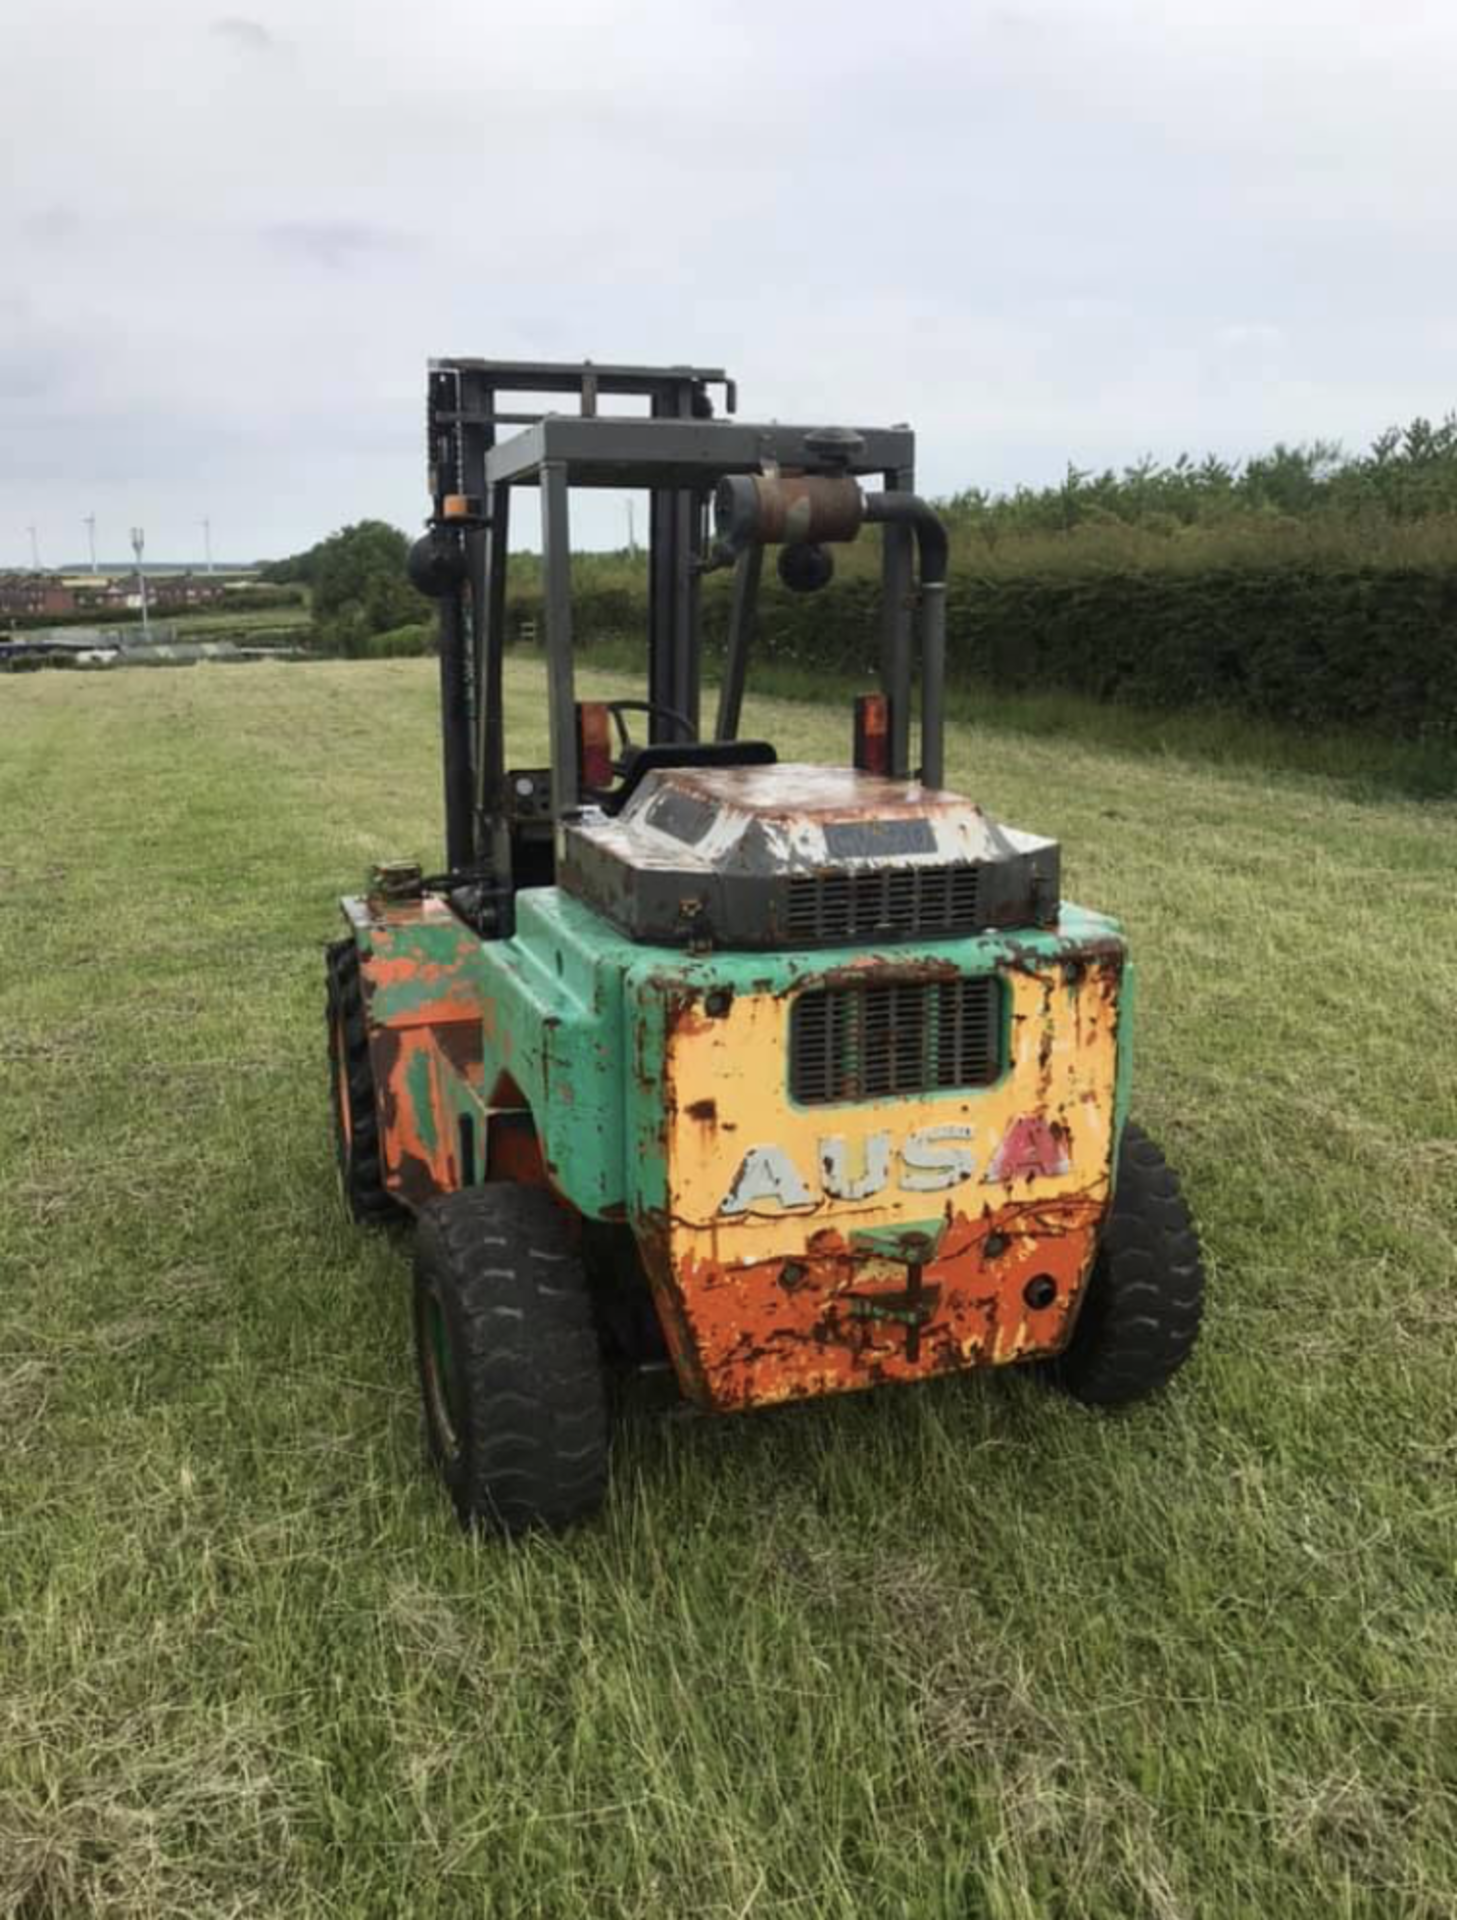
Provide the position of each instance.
(872, 733)
(594, 744)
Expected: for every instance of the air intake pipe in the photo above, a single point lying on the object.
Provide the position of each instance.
(803, 511)
(906, 509)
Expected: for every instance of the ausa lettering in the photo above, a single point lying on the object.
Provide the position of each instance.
(927, 1161)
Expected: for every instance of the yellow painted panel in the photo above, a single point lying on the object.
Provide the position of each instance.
(761, 1268)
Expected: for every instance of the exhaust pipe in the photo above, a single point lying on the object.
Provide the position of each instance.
(907, 509)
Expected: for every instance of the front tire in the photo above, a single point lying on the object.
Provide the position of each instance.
(1140, 1313)
(352, 1094)
(510, 1372)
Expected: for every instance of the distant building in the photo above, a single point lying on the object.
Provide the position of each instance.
(172, 591)
(29, 593)
(166, 592)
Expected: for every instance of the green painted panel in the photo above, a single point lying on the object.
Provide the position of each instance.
(417, 1085)
(889, 1242)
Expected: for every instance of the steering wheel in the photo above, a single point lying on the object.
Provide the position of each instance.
(655, 710)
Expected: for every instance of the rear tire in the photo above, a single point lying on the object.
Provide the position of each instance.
(351, 1086)
(1140, 1313)
(511, 1375)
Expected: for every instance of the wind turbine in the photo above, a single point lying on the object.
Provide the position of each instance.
(207, 542)
(139, 540)
(89, 523)
(35, 551)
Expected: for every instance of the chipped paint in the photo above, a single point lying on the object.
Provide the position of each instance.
(876, 1290)
(840, 1319)
(636, 1081)
(782, 815)
(1031, 1147)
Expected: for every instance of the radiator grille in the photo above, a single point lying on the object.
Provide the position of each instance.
(894, 1036)
(899, 901)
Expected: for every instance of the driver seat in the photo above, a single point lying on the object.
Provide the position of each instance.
(641, 761)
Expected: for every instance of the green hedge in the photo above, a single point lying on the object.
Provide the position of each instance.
(1314, 647)
(1359, 646)
(400, 643)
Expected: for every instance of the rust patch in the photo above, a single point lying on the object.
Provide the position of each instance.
(460, 1042)
(418, 1137)
(827, 1319)
(513, 1151)
(424, 1010)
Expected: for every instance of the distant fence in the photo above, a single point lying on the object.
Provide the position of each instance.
(83, 649)
(74, 633)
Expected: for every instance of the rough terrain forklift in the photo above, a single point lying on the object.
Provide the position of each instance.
(805, 1077)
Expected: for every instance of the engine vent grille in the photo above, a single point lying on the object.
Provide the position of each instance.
(901, 902)
(894, 1036)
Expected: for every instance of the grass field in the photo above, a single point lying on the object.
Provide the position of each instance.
(958, 1651)
(238, 623)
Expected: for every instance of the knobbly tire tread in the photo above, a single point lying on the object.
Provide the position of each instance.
(1140, 1318)
(530, 1409)
(361, 1164)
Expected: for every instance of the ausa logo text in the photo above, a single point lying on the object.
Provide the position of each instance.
(926, 1161)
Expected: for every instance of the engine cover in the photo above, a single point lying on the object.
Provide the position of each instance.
(803, 856)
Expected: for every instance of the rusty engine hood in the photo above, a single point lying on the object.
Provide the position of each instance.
(798, 855)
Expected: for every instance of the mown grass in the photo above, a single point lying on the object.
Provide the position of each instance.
(957, 1651)
(227, 623)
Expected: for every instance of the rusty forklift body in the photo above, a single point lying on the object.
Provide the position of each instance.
(817, 1060)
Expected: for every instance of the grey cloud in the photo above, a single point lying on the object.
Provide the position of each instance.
(335, 243)
(54, 225)
(1008, 19)
(1042, 230)
(30, 370)
(243, 32)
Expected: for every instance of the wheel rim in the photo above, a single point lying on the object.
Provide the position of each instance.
(440, 1377)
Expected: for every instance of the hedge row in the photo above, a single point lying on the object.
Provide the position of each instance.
(1368, 647)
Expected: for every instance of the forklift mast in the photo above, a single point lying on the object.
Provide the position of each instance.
(499, 825)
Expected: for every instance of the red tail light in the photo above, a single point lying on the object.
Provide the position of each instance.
(872, 733)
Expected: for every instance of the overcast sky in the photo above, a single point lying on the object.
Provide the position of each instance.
(1065, 229)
